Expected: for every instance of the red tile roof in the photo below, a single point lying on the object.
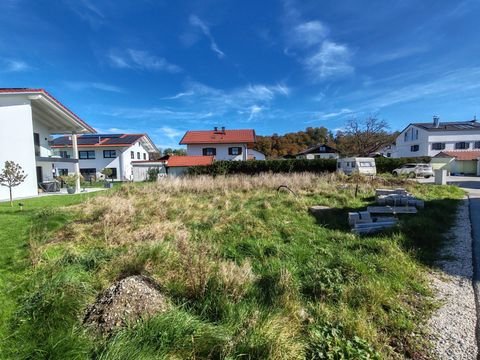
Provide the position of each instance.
(460, 154)
(177, 161)
(246, 136)
(47, 94)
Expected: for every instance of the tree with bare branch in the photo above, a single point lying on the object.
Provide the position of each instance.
(364, 137)
(12, 175)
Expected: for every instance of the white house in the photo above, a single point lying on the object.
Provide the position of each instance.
(171, 165)
(28, 118)
(429, 139)
(105, 151)
(320, 151)
(220, 143)
(255, 155)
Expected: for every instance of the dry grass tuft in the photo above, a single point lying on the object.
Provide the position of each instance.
(235, 279)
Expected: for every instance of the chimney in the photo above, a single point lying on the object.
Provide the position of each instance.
(223, 129)
(436, 121)
(215, 128)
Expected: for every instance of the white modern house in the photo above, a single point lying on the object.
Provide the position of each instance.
(319, 151)
(105, 151)
(29, 118)
(457, 143)
(221, 143)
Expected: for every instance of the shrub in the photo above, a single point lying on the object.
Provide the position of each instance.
(261, 166)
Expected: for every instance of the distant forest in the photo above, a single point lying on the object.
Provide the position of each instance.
(295, 142)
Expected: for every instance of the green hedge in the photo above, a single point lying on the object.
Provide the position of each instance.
(251, 167)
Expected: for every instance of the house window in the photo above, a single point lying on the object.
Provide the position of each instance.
(414, 148)
(405, 136)
(64, 154)
(476, 145)
(438, 146)
(322, 149)
(416, 134)
(86, 155)
(89, 174)
(234, 151)
(36, 143)
(62, 172)
(132, 154)
(144, 156)
(389, 155)
(138, 155)
(209, 151)
(114, 173)
(462, 145)
(109, 154)
(317, 156)
(339, 165)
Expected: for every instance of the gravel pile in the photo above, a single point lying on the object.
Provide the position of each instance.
(452, 326)
(127, 300)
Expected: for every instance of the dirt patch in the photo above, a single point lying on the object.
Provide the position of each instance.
(126, 301)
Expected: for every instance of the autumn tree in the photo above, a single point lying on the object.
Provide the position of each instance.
(363, 137)
(12, 175)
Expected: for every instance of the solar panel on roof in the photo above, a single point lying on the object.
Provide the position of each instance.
(125, 140)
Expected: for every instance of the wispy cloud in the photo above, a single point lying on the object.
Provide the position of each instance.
(200, 24)
(12, 65)
(311, 44)
(330, 60)
(141, 60)
(83, 85)
(254, 111)
(171, 132)
(87, 11)
(178, 95)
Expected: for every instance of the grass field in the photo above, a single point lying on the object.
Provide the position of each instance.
(250, 273)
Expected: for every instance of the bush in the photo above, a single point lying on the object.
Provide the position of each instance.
(252, 167)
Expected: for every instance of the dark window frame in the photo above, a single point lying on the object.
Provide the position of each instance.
(209, 151)
(109, 152)
(144, 156)
(438, 146)
(415, 148)
(138, 155)
(114, 173)
(231, 149)
(476, 145)
(88, 152)
(132, 155)
(62, 172)
(462, 145)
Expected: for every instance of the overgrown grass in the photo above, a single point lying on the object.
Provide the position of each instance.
(250, 272)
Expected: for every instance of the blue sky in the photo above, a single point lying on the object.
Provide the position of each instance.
(164, 67)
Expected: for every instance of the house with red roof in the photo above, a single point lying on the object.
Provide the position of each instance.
(96, 152)
(171, 165)
(222, 144)
(29, 118)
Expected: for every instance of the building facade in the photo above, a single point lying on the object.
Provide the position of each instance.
(29, 118)
(106, 151)
(222, 144)
(320, 151)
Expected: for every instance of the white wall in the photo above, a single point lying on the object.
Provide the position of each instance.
(426, 139)
(123, 161)
(140, 171)
(318, 156)
(256, 154)
(16, 143)
(222, 151)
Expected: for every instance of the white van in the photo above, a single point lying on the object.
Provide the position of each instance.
(357, 165)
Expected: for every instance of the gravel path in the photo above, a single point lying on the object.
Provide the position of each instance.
(452, 326)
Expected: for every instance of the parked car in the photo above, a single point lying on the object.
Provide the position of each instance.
(414, 170)
(357, 165)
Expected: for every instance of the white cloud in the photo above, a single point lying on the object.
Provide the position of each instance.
(311, 44)
(254, 111)
(309, 33)
(178, 95)
(11, 65)
(331, 59)
(82, 85)
(171, 132)
(142, 60)
(197, 22)
(87, 11)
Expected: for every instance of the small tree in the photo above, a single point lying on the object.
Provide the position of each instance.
(12, 175)
(107, 172)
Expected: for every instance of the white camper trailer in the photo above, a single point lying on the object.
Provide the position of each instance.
(357, 165)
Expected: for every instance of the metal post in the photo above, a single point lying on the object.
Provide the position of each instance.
(76, 165)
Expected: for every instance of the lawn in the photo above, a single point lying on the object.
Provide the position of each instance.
(250, 272)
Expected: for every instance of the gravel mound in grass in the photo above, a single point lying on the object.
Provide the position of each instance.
(124, 302)
(452, 326)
